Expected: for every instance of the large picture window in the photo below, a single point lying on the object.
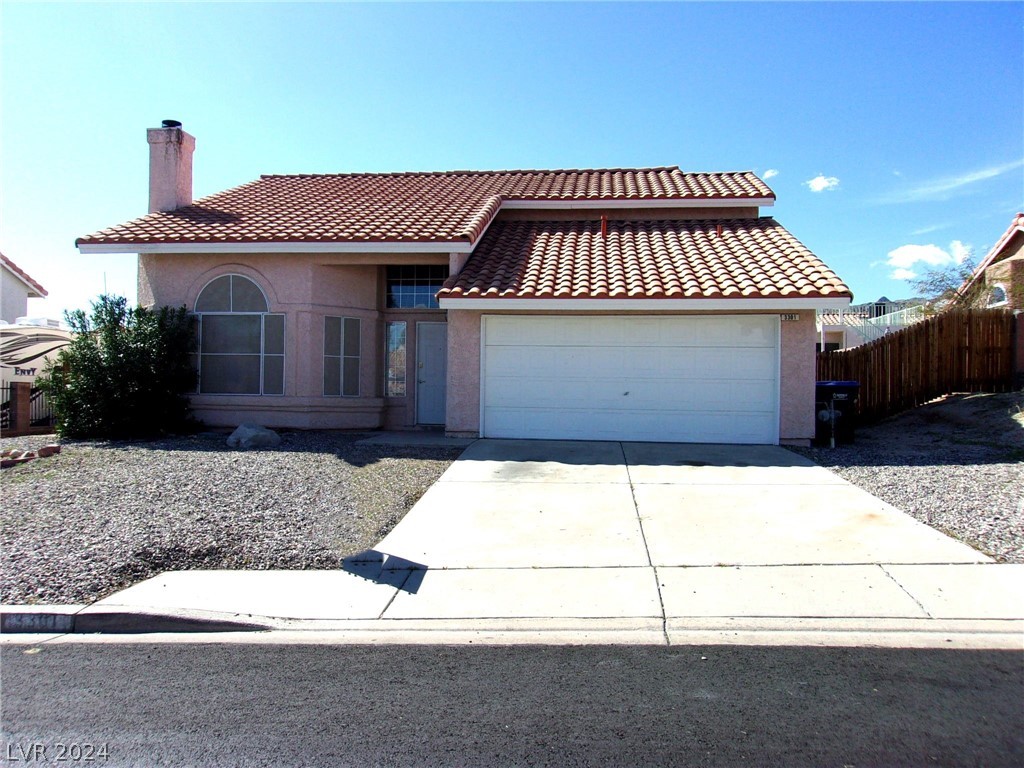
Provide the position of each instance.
(241, 344)
(341, 356)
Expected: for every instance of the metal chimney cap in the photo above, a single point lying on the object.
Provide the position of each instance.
(171, 124)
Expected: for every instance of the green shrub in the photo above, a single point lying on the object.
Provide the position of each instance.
(125, 374)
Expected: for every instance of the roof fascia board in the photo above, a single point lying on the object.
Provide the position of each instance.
(316, 247)
(633, 203)
(646, 305)
(996, 249)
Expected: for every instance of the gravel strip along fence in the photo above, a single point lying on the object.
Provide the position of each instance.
(101, 516)
(955, 464)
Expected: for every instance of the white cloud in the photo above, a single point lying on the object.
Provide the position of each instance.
(770, 173)
(960, 252)
(906, 257)
(948, 186)
(928, 230)
(821, 182)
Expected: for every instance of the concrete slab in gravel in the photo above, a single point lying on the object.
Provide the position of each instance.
(520, 525)
(527, 593)
(722, 465)
(989, 591)
(539, 461)
(848, 591)
(785, 525)
(284, 594)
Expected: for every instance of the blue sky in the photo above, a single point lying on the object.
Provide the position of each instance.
(892, 133)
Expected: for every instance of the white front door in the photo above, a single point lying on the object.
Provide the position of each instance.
(431, 372)
(695, 379)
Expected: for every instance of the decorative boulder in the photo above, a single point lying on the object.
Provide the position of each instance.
(253, 436)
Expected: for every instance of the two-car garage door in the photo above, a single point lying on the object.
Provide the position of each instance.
(690, 379)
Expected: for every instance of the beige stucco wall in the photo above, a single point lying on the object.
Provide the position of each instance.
(796, 380)
(797, 375)
(13, 297)
(1010, 274)
(306, 288)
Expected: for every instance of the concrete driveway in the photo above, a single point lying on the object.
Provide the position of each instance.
(523, 529)
(541, 541)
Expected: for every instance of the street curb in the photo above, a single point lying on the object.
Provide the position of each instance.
(81, 619)
(38, 618)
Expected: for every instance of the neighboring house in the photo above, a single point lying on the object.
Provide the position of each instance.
(861, 323)
(619, 304)
(26, 344)
(999, 279)
(16, 288)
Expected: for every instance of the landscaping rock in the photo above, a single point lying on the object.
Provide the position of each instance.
(253, 436)
(48, 450)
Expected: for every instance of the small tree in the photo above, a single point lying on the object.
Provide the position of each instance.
(126, 372)
(943, 284)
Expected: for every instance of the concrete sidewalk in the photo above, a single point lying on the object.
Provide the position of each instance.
(540, 541)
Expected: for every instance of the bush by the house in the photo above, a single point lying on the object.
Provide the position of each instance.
(125, 374)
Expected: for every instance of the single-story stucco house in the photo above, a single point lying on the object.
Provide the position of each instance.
(633, 304)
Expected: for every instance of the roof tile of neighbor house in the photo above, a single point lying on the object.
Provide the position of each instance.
(751, 258)
(834, 318)
(24, 276)
(407, 207)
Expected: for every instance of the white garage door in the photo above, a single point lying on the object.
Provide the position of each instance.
(663, 379)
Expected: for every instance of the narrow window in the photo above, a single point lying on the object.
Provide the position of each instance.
(395, 363)
(341, 356)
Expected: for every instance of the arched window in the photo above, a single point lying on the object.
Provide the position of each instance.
(241, 345)
(997, 295)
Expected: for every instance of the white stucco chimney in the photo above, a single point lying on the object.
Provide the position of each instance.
(170, 166)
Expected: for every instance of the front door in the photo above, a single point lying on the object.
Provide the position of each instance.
(431, 372)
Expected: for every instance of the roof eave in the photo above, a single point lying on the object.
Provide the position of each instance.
(377, 246)
(640, 202)
(36, 291)
(779, 304)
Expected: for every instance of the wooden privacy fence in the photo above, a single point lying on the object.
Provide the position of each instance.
(961, 350)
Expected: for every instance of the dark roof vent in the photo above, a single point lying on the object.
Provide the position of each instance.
(171, 124)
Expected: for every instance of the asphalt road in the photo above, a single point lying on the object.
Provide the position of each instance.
(332, 705)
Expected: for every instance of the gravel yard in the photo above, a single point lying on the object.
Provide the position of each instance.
(956, 464)
(100, 516)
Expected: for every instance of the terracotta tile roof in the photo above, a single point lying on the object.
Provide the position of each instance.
(751, 258)
(23, 276)
(407, 207)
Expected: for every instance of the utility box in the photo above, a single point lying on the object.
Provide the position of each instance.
(835, 409)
